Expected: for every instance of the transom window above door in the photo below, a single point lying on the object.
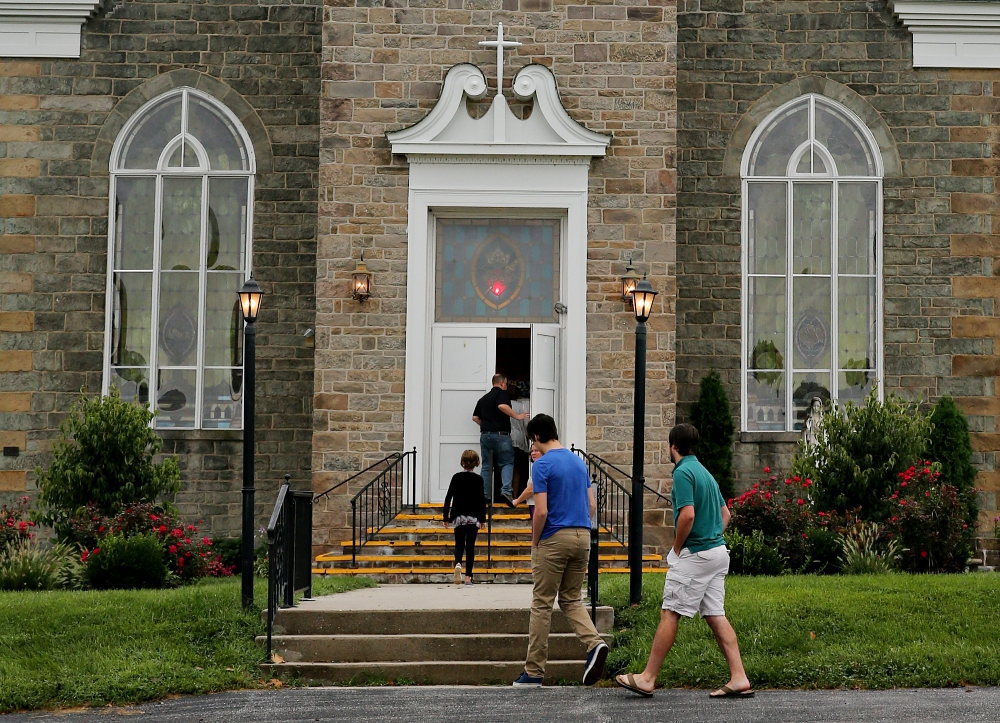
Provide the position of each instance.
(497, 269)
(812, 217)
(180, 230)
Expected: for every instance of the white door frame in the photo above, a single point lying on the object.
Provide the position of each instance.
(478, 184)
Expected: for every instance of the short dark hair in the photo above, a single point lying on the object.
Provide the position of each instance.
(685, 438)
(542, 428)
(498, 379)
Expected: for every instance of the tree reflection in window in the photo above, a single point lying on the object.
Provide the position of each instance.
(811, 233)
(182, 184)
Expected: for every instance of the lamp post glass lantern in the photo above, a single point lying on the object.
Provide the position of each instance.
(642, 304)
(250, 298)
(629, 280)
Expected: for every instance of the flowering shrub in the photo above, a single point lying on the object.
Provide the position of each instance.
(14, 528)
(752, 554)
(781, 510)
(125, 563)
(928, 517)
(186, 553)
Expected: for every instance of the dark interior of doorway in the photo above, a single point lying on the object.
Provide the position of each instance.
(514, 362)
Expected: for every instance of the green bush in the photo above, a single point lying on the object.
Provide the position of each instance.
(104, 458)
(752, 555)
(127, 563)
(951, 448)
(868, 552)
(26, 565)
(712, 415)
(860, 452)
(823, 549)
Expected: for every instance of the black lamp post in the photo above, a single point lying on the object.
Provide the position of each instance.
(642, 303)
(250, 296)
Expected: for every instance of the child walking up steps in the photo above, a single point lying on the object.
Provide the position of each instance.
(465, 508)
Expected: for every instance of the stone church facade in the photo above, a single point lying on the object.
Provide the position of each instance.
(688, 95)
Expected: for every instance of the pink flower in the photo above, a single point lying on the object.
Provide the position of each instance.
(206, 541)
(903, 484)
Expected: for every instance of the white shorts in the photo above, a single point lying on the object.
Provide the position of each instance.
(696, 582)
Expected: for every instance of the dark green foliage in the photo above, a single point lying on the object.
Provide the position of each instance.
(127, 563)
(712, 416)
(823, 548)
(752, 555)
(230, 549)
(104, 457)
(860, 452)
(951, 447)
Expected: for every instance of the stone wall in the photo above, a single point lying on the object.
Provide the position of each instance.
(382, 70)
(938, 133)
(58, 119)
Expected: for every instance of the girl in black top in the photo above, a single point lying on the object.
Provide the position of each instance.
(465, 508)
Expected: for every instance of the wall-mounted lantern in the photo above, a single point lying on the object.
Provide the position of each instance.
(629, 280)
(362, 280)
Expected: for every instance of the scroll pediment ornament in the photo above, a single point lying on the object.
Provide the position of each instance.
(449, 129)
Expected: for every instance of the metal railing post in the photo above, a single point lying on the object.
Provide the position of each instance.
(413, 479)
(354, 534)
(593, 571)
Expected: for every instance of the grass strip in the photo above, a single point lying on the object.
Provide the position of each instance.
(806, 631)
(129, 646)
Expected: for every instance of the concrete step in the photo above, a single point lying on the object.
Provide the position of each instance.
(415, 648)
(464, 672)
(431, 557)
(525, 543)
(304, 620)
(430, 517)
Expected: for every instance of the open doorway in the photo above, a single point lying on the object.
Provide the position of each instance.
(514, 362)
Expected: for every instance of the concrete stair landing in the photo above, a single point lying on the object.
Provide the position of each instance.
(424, 634)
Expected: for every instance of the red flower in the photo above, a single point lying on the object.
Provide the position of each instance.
(84, 556)
(927, 470)
(923, 553)
(788, 481)
(927, 494)
(187, 554)
(797, 478)
(22, 526)
(767, 495)
(187, 540)
(206, 541)
(903, 484)
(154, 518)
(767, 470)
(180, 562)
(161, 528)
(96, 550)
(807, 483)
(101, 528)
(894, 518)
(173, 549)
(801, 501)
(191, 528)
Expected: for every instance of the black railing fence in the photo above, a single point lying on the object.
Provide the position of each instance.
(379, 501)
(614, 496)
(289, 552)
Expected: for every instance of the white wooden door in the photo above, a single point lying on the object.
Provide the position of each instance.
(463, 362)
(545, 371)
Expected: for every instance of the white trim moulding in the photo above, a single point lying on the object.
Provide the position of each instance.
(952, 34)
(43, 28)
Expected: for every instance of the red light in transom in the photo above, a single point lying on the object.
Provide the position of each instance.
(498, 287)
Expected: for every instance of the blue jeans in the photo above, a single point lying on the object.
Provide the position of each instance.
(499, 447)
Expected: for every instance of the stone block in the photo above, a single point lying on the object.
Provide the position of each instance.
(15, 205)
(13, 481)
(11, 402)
(976, 287)
(16, 321)
(15, 361)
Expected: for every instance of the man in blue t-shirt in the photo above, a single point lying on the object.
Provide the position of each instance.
(560, 551)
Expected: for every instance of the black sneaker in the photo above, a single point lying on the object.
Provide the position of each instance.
(595, 664)
(509, 500)
(526, 681)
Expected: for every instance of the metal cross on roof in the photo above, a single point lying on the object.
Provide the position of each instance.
(500, 44)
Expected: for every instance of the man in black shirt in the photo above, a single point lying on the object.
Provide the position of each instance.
(493, 414)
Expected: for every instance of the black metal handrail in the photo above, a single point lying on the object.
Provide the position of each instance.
(384, 460)
(613, 497)
(379, 501)
(289, 552)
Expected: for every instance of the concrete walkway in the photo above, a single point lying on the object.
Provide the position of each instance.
(556, 704)
(426, 597)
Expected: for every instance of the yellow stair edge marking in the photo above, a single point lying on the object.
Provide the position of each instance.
(407, 516)
(449, 530)
(450, 543)
(443, 558)
(451, 570)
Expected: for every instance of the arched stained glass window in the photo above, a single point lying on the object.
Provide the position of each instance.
(179, 241)
(812, 229)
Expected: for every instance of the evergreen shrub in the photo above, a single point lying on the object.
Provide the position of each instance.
(951, 447)
(104, 458)
(713, 417)
(127, 563)
(752, 554)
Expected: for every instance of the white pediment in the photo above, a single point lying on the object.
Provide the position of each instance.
(951, 34)
(43, 28)
(449, 129)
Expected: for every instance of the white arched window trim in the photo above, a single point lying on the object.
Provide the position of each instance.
(824, 171)
(184, 144)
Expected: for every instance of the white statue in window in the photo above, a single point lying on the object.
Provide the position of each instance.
(810, 431)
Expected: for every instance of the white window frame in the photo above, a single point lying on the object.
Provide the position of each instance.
(789, 179)
(161, 172)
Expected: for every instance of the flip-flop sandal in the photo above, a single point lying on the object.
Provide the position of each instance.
(728, 692)
(631, 685)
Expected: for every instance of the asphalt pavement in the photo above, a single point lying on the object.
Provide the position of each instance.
(548, 705)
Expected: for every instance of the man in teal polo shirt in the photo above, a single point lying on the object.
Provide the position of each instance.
(698, 564)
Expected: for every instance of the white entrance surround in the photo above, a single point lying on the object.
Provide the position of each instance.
(951, 34)
(496, 165)
(43, 28)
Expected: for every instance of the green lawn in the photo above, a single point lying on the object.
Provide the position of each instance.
(67, 648)
(827, 632)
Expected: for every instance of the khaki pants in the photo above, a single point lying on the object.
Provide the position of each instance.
(558, 565)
